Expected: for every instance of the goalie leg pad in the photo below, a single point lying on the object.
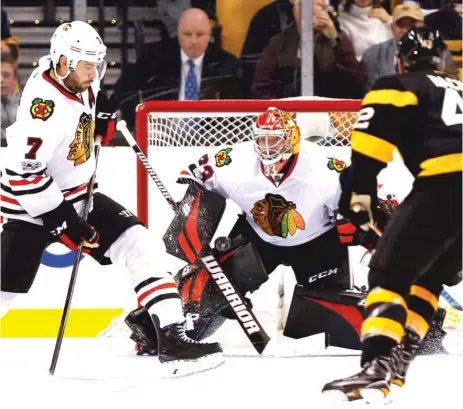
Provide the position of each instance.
(339, 314)
(204, 306)
(202, 303)
(195, 223)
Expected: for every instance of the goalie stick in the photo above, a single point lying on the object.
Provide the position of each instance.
(75, 270)
(244, 316)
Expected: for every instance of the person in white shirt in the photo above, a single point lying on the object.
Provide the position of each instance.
(365, 23)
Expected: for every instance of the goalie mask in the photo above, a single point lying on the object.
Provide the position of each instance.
(276, 136)
(77, 41)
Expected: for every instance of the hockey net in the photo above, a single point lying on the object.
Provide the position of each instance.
(205, 124)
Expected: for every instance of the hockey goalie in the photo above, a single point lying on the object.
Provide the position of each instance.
(288, 192)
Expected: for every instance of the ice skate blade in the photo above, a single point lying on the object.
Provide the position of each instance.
(334, 396)
(375, 396)
(395, 393)
(181, 368)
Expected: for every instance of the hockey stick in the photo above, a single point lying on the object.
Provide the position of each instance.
(451, 300)
(447, 297)
(245, 317)
(75, 270)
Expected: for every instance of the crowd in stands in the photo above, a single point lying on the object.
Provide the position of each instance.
(257, 54)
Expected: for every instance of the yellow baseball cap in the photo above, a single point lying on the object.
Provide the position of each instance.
(407, 10)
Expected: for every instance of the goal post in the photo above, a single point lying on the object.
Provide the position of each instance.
(209, 123)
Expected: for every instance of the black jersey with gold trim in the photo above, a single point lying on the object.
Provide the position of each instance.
(418, 113)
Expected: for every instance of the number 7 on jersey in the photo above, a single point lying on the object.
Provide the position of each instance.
(35, 144)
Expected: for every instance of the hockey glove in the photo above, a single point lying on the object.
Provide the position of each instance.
(351, 235)
(64, 223)
(358, 208)
(106, 115)
(361, 209)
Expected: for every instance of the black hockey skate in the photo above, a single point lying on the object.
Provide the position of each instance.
(372, 383)
(143, 332)
(184, 355)
(410, 345)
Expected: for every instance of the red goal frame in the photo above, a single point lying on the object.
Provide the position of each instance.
(217, 106)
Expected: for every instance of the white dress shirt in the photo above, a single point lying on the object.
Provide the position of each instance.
(198, 62)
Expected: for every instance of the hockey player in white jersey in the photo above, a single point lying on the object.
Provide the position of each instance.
(288, 191)
(47, 167)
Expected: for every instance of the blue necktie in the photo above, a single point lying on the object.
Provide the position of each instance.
(191, 84)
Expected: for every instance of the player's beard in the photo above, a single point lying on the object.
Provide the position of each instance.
(75, 86)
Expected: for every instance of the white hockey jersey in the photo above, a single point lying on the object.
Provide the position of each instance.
(297, 209)
(50, 149)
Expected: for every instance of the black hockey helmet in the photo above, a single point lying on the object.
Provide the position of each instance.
(420, 49)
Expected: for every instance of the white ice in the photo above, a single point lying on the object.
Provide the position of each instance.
(100, 373)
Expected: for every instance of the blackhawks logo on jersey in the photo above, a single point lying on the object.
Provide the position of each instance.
(222, 157)
(336, 164)
(41, 109)
(276, 216)
(82, 144)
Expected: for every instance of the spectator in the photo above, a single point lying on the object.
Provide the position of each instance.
(266, 23)
(10, 97)
(379, 60)
(447, 20)
(5, 25)
(187, 67)
(10, 45)
(365, 23)
(337, 73)
(171, 10)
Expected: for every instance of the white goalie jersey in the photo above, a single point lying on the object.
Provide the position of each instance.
(50, 149)
(297, 209)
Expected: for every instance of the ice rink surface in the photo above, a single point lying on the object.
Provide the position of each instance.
(102, 373)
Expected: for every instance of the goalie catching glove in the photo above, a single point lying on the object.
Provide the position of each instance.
(64, 223)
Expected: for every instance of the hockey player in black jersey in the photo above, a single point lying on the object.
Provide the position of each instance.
(418, 112)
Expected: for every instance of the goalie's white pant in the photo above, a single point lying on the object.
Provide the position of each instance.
(154, 286)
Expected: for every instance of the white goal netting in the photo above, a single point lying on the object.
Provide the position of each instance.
(229, 127)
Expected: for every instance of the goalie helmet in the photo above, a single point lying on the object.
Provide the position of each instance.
(78, 41)
(420, 49)
(276, 136)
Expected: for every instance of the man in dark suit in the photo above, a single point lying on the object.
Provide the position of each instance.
(189, 67)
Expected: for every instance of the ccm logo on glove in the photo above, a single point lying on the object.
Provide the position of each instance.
(64, 223)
